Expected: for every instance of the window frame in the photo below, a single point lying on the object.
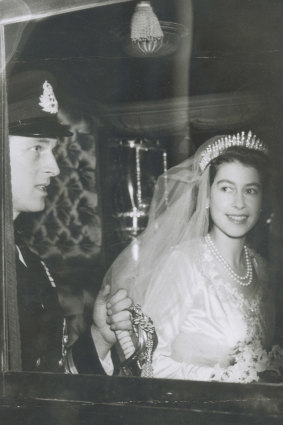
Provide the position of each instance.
(101, 390)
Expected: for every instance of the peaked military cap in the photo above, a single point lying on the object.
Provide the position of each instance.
(33, 107)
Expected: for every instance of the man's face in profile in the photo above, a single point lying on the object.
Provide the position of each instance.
(32, 166)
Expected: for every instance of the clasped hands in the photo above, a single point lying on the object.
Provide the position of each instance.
(110, 314)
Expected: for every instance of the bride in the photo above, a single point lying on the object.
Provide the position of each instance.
(194, 271)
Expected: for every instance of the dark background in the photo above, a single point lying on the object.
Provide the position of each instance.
(236, 45)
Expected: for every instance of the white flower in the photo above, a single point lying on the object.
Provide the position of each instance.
(250, 359)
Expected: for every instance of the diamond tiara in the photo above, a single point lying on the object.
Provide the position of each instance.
(217, 147)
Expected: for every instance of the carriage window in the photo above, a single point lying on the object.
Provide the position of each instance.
(94, 119)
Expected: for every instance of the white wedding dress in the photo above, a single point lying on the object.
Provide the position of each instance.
(201, 318)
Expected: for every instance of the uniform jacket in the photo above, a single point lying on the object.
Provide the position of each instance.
(41, 321)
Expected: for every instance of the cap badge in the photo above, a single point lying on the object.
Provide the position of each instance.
(47, 100)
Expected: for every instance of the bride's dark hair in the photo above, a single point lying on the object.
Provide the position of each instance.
(250, 158)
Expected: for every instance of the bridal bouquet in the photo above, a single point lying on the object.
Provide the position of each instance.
(250, 361)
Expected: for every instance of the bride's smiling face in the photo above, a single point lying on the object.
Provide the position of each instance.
(235, 199)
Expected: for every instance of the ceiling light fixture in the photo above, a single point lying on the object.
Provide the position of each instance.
(148, 37)
(146, 32)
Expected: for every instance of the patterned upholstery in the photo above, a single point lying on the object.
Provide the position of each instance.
(70, 225)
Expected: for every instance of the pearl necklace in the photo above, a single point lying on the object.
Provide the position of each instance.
(241, 280)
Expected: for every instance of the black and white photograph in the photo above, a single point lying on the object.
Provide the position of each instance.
(141, 212)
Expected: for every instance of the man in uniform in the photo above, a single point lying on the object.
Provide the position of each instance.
(33, 132)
